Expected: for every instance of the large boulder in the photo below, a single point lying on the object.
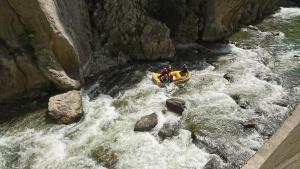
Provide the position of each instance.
(175, 105)
(65, 108)
(146, 123)
(42, 43)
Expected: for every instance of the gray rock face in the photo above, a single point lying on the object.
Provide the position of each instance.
(176, 105)
(146, 123)
(223, 17)
(65, 108)
(42, 43)
(124, 31)
(59, 41)
(184, 18)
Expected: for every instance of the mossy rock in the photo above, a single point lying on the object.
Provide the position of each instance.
(120, 103)
(106, 157)
(193, 125)
(196, 127)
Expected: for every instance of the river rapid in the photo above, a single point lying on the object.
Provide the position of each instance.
(255, 78)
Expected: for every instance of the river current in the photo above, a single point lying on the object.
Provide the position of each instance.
(255, 78)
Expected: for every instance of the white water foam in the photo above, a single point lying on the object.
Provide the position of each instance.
(109, 121)
(287, 13)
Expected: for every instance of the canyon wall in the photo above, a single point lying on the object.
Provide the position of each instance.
(42, 43)
(58, 43)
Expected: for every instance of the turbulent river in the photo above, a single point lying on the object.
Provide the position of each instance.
(255, 78)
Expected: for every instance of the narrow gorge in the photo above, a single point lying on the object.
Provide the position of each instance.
(97, 57)
(59, 43)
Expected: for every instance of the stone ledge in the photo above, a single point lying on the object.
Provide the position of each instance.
(283, 148)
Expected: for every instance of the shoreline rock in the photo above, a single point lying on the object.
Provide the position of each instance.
(65, 108)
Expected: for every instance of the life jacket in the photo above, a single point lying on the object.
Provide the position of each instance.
(164, 72)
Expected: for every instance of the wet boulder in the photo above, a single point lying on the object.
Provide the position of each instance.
(275, 33)
(169, 129)
(175, 105)
(229, 77)
(146, 123)
(106, 157)
(214, 162)
(241, 100)
(65, 108)
(250, 124)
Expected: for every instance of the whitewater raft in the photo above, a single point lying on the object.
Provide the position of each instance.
(177, 78)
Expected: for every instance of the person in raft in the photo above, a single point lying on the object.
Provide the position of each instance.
(184, 70)
(165, 74)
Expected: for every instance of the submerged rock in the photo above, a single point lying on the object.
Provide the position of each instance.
(253, 27)
(146, 123)
(296, 56)
(175, 105)
(241, 100)
(229, 77)
(250, 124)
(169, 129)
(106, 157)
(214, 163)
(65, 108)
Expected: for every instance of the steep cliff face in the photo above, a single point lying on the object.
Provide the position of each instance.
(223, 17)
(149, 29)
(123, 30)
(42, 43)
(56, 42)
(207, 20)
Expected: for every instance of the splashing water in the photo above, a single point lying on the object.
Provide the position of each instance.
(261, 83)
(287, 13)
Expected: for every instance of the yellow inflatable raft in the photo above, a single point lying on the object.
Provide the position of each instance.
(177, 78)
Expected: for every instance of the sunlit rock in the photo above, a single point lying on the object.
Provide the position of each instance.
(176, 105)
(146, 123)
(65, 108)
